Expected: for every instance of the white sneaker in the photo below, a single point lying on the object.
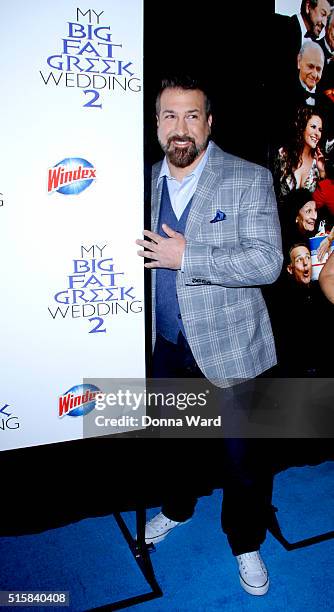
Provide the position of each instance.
(253, 573)
(158, 528)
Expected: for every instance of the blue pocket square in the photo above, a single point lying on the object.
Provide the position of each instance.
(220, 216)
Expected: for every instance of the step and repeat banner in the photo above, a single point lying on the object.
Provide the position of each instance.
(71, 208)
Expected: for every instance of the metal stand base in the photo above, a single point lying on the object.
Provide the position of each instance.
(140, 551)
(275, 530)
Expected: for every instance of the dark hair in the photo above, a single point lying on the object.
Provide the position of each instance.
(185, 82)
(313, 4)
(294, 201)
(293, 151)
(292, 243)
(297, 244)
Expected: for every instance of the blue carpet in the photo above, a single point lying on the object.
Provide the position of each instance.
(90, 559)
(194, 566)
(196, 570)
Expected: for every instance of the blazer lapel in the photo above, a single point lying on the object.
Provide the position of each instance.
(202, 199)
(156, 199)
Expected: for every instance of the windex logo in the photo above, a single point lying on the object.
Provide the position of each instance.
(77, 401)
(71, 176)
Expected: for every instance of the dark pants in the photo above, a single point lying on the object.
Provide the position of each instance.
(242, 463)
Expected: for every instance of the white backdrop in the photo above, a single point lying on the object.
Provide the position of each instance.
(287, 7)
(84, 106)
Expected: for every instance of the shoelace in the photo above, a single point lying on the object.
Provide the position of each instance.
(159, 523)
(248, 559)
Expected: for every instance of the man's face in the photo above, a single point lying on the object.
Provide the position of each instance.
(317, 17)
(310, 66)
(330, 34)
(183, 127)
(301, 266)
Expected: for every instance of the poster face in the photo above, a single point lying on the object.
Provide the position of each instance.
(71, 209)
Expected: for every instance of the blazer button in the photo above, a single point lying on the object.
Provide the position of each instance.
(179, 316)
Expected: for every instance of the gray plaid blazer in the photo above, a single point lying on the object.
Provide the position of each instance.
(223, 311)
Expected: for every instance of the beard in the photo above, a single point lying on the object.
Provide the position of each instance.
(315, 30)
(181, 157)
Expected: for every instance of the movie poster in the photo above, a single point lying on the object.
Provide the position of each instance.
(301, 157)
(71, 208)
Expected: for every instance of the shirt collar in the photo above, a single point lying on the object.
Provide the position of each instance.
(196, 172)
(302, 25)
(306, 88)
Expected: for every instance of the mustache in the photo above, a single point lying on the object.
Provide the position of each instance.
(180, 139)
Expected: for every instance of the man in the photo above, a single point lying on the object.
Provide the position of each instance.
(300, 266)
(327, 42)
(310, 63)
(215, 238)
(301, 312)
(313, 17)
